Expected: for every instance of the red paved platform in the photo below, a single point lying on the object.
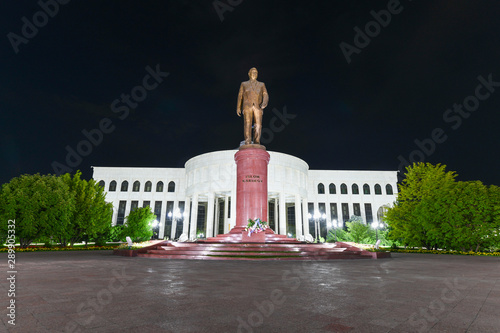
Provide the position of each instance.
(256, 251)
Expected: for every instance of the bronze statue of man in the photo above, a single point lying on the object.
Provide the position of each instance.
(252, 99)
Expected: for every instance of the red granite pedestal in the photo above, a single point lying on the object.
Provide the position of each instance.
(251, 198)
(251, 184)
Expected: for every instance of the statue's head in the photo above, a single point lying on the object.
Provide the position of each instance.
(252, 73)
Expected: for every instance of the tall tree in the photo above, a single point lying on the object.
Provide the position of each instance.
(433, 210)
(467, 214)
(417, 214)
(40, 205)
(92, 214)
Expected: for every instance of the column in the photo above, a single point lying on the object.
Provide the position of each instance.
(187, 212)
(194, 217)
(174, 219)
(163, 217)
(226, 211)
(210, 215)
(315, 220)
(115, 213)
(298, 216)
(127, 210)
(217, 215)
(362, 211)
(305, 216)
(328, 217)
(276, 215)
(232, 220)
(282, 210)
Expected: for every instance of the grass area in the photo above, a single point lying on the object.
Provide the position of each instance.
(464, 253)
(37, 248)
(79, 247)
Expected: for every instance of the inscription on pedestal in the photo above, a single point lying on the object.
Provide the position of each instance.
(252, 179)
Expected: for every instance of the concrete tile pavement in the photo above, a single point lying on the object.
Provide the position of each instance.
(98, 292)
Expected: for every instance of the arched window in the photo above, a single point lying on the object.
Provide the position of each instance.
(159, 186)
(321, 188)
(136, 187)
(332, 189)
(378, 189)
(171, 187)
(102, 184)
(381, 213)
(366, 189)
(388, 189)
(112, 186)
(147, 186)
(343, 189)
(355, 189)
(124, 187)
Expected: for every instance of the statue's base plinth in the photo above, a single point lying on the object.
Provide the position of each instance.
(252, 145)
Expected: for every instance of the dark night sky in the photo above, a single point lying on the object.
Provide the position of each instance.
(362, 115)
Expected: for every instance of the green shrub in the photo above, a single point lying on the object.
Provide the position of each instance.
(138, 225)
(116, 234)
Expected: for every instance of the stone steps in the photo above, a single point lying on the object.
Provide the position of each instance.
(253, 251)
(195, 257)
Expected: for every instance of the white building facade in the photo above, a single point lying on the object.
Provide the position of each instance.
(199, 200)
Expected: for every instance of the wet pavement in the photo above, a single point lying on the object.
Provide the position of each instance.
(85, 291)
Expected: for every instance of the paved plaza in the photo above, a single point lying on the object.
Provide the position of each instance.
(97, 292)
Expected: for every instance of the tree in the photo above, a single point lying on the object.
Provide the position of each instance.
(494, 195)
(40, 205)
(92, 214)
(435, 211)
(138, 225)
(468, 216)
(417, 212)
